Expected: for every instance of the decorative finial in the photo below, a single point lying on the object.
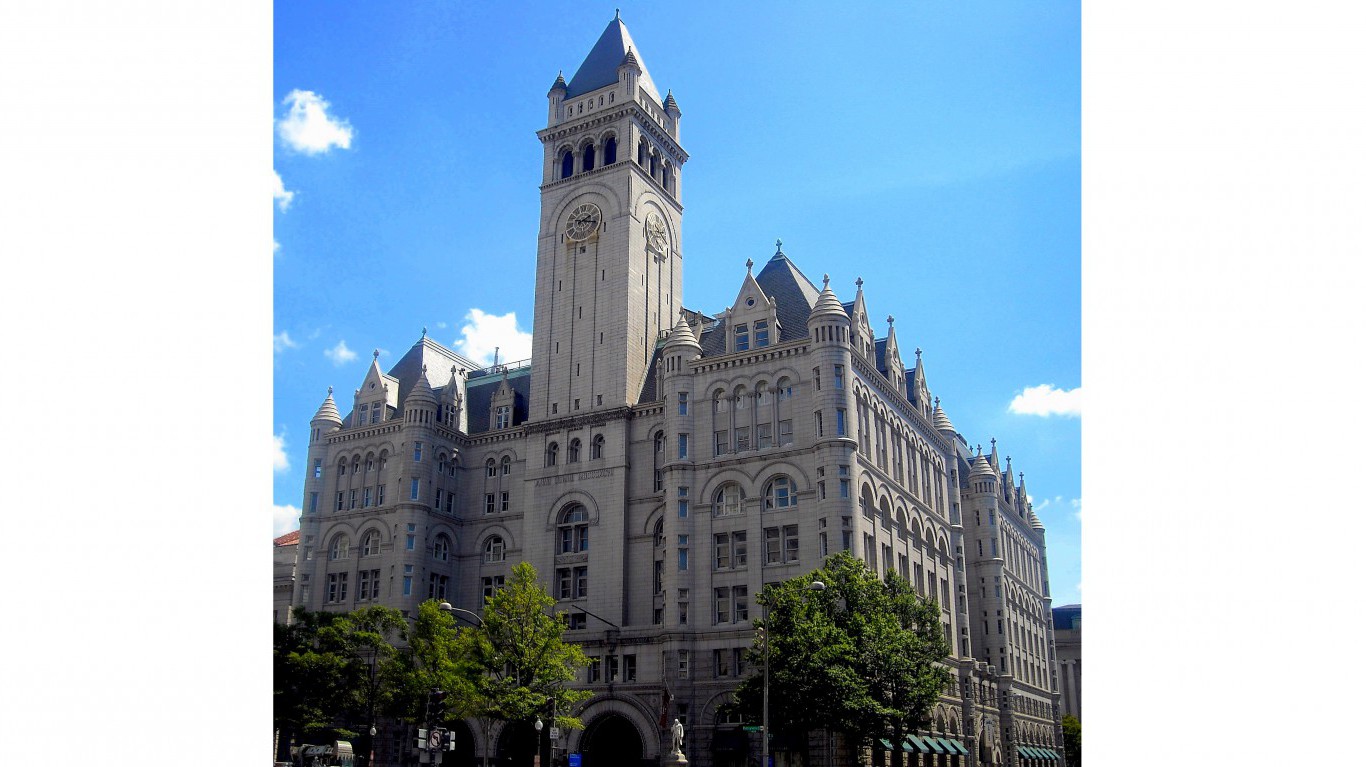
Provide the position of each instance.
(979, 449)
(749, 264)
(859, 283)
(780, 247)
(825, 280)
(377, 354)
(424, 331)
(618, 14)
(1022, 477)
(424, 368)
(890, 319)
(682, 312)
(917, 354)
(993, 442)
(329, 391)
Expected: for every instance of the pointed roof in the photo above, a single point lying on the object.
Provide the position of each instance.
(422, 390)
(669, 103)
(559, 83)
(981, 465)
(599, 69)
(328, 410)
(941, 419)
(682, 334)
(783, 282)
(827, 302)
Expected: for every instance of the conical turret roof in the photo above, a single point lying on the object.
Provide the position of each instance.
(827, 304)
(670, 104)
(422, 390)
(328, 410)
(682, 334)
(559, 83)
(941, 419)
(981, 465)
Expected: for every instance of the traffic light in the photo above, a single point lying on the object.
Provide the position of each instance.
(436, 705)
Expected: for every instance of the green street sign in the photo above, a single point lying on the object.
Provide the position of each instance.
(753, 728)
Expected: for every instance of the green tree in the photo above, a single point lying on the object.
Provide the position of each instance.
(1071, 740)
(861, 657)
(330, 670)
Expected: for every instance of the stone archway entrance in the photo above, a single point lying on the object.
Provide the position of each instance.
(611, 740)
(463, 754)
(516, 745)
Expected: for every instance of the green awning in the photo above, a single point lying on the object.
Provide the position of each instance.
(1025, 752)
(934, 745)
(1052, 754)
(958, 744)
(887, 744)
(919, 745)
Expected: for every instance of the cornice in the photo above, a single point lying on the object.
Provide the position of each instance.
(899, 402)
(596, 418)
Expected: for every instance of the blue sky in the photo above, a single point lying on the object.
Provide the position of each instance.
(933, 150)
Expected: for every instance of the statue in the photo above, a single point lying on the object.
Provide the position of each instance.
(677, 736)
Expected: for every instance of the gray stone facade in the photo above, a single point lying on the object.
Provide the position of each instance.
(702, 457)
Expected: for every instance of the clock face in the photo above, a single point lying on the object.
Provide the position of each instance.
(583, 221)
(656, 236)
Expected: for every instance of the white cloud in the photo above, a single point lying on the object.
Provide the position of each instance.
(1044, 400)
(283, 341)
(1057, 500)
(279, 459)
(285, 519)
(1076, 504)
(308, 128)
(482, 332)
(339, 354)
(282, 196)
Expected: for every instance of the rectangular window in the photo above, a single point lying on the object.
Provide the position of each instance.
(991, 516)
(723, 551)
(376, 412)
(682, 445)
(764, 434)
(450, 503)
(413, 489)
(436, 586)
(682, 552)
(741, 438)
(503, 501)
(722, 598)
(407, 585)
(785, 432)
(577, 622)
(816, 377)
(720, 662)
(317, 468)
(839, 376)
(488, 503)
(682, 403)
(919, 578)
(760, 334)
(628, 668)
(417, 451)
(351, 500)
(341, 501)
(820, 425)
(683, 508)
(790, 543)
(722, 441)
(742, 337)
(594, 668)
(436, 506)
(839, 422)
(740, 596)
(379, 496)
(490, 585)
(312, 503)
(502, 417)
(580, 582)
(613, 668)
(772, 546)
(824, 552)
(993, 547)
(659, 576)
(683, 664)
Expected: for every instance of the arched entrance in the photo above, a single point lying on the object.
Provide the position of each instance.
(516, 745)
(463, 754)
(612, 741)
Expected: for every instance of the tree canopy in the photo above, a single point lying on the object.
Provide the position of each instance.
(863, 656)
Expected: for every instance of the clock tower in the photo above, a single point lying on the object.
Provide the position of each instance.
(609, 264)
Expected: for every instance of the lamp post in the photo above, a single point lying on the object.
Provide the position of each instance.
(812, 586)
(469, 615)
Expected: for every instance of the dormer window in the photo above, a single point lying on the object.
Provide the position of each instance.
(760, 334)
(502, 417)
(376, 411)
(742, 337)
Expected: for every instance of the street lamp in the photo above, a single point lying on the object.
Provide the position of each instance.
(812, 586)
(446, 607)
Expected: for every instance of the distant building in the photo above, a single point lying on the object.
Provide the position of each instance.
(286, 552)
(1067, 634)
(703, 455)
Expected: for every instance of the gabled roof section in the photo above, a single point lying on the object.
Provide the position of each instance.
(288, 539)
(479, 393)
(783, 282)
(599, 69)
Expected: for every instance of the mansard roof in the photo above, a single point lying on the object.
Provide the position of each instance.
(437, 359)
(782, 281)
(599, 69)
(479, 390)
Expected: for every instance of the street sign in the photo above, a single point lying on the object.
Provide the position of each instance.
(753, 728)
(554, 733)
(434, 740)
(576, 760)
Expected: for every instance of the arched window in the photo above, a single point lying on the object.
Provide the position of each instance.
(507, 465)
(566, 164)
(494, 549)
(640, 154)
(659, 461)
(780, 493)
(669, 176)
(865, 502)
(741, 398)
(588, 156)
(441, 549)
(575, 446)
(915, 533)
(719, 402)
(609, 151)
(659, 533)
(490, 468)
(440, 464)
(654, 165)
(596, 450)
(573, 530)
(727, 501)
(552, 454)
(885, 514)
(370, 544)
(340, 548)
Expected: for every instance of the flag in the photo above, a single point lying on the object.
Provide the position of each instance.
(664, 710)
